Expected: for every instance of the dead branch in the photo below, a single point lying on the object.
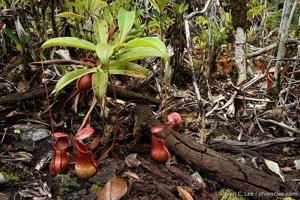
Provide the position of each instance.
(226, 170)
(62, 62)
(269, 48)
(283, 125)
(38, 92)
(257, 145)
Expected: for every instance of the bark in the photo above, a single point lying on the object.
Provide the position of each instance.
(239, 19)
(211, 164)
(239, 13)
(225, 170)
(40, 92)
(240, 54)
(283, 32)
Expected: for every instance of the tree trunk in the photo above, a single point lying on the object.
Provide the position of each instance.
(283, 32)
(239, 19)
(240, 54)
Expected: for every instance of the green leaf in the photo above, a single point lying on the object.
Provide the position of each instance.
(154, 4)
(138, 53)
(125, 22)
(255, 11)
(101, 31)
(95, 5)
(104, 51)
(77, 5)
(201, 21)
(12, 36)
(153, 42)
(69, 42)
(100, 80)
(129, 69)
(159, 5)
(70, 77)
(70, 15)
(108, 16)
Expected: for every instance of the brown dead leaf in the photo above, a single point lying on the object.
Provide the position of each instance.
(115, 189)
(133, 175)
(14, 113)
(132, 161)
(225, 64)
(185, 195)
(286, 169)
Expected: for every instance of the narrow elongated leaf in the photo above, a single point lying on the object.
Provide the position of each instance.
(100, 80)
(162, 4)
(71, 76)
(70, 15)
(153, 42)
(69, 42)
(104, 51)
(125, 22)
(129, 69)
(139, 53)
(96, 5)
(159, 5)
(101, 31)
(107, 15)
(154, 4)
(12, 36)
(255, 11)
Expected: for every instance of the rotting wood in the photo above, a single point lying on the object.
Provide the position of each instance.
(225, 170)
(37, 92)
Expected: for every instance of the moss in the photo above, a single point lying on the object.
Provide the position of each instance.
(10, 177)
(226, 194)
(64, 180)
(288, 198)
(94, 188)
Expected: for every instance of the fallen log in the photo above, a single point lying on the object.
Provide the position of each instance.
(217, 166)
(225, 170)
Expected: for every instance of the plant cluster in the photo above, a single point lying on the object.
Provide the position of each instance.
(85, 163)
(116, 51)
(159, 151)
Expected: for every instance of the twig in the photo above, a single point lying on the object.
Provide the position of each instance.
(230, 101)
(294, 68)
(252, 81)
(62, 62)
(256, 145)
(257, 121)
(261, 51)
(190, 62)
(252, 99)
(88, 113)
(269, 48)
(191, 15)
(280, 124)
